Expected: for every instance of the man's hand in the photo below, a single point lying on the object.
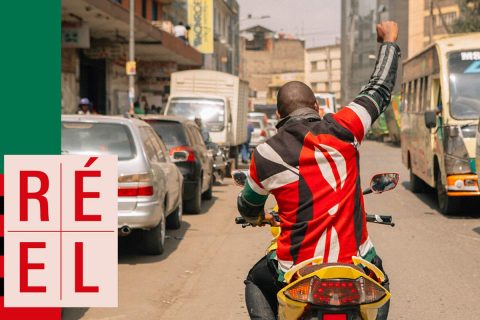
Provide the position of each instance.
(387, 31)
(271, 220)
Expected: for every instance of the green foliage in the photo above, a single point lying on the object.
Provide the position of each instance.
(469, 20)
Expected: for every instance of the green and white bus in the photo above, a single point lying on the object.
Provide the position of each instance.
(441, 108)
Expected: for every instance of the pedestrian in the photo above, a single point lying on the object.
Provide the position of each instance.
(84, 106)
(246, 145)
(180, 32)
(144, 104)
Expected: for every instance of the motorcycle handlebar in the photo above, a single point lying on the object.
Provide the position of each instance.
(374, 218)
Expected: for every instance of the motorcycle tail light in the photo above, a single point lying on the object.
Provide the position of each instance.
(337, 316)
(300, 291)
(336, 292)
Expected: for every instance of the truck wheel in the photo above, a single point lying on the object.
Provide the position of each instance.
(446, 204)
(154, 239)
(174, 220)
(195, 205)
(208, 195)
(416, 184)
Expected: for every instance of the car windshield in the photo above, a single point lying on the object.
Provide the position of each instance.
(256, 124)
(97, 138)
(172, 133)
(464, 70)
(211, 111)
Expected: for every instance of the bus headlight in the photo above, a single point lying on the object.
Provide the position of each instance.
(456, 154)
(455, 165)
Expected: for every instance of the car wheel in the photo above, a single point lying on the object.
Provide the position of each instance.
(208, 195)
(446, 204)
(416, 184)
(154, 239)
(174, 220)
(195, 205)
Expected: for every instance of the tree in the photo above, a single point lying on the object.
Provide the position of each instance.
(469, 20)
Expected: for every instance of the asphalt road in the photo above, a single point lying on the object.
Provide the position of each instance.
(433, 260)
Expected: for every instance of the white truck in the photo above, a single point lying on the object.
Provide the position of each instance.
(219, 99)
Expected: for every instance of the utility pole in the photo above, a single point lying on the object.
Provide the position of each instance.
(131, 65)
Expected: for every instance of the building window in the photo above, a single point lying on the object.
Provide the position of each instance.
(154, 10)
(144, 8)
(314, 65)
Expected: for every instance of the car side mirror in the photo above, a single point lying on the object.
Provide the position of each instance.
(179, 156)
(430, 119)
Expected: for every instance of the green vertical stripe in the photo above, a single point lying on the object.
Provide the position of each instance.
(30, 77)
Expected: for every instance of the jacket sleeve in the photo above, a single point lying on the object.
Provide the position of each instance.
(374, 97)
(251, 200)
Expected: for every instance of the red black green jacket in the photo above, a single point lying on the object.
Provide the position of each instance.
(311, 166)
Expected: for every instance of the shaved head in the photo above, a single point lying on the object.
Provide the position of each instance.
(294, 95)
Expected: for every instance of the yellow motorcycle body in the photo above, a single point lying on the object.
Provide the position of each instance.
(330, 291)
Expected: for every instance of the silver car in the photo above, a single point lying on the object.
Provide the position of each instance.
(149, 184)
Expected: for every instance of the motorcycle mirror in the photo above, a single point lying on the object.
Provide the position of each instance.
(239, 177)
(384, 182)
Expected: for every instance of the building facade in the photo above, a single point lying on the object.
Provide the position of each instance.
(269, 60)
(95, 37)
(323, 69)
(225, 57)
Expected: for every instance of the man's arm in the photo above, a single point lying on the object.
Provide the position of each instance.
(251, 200)
(374, 97)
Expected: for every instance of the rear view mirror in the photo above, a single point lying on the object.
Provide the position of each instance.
(240, 178)
(178, 156)
(384, 182)
(430, 119)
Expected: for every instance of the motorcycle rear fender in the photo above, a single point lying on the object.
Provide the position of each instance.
(291, 309)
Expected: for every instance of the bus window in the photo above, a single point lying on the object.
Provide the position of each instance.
(439, 100)
(403, 106)
(409, 98)
(415, 96)
(426, 100)
(421, 107)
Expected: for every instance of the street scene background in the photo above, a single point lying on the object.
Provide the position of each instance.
(195, 84)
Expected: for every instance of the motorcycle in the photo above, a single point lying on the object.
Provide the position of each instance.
(332, 291)
(220, 162)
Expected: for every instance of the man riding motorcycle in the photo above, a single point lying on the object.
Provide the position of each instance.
(311, 166)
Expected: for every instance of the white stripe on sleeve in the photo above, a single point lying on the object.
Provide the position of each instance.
(363, 114)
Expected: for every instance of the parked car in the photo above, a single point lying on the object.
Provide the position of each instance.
(188, 151)
(149, 184)
(259, 134)
(478, 153)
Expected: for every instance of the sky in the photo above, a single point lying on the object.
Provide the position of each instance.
(316, 21)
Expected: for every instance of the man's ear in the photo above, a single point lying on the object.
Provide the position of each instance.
(277, 115)
(316, 106)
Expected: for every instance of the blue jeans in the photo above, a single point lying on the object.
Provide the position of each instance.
(245, 152)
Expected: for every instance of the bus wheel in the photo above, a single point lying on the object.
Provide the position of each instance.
(446, 204)
(416, 184)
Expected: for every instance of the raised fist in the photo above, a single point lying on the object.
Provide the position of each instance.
(387, 31)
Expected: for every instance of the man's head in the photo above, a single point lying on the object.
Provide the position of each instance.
(295, 95)
(84, 104)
